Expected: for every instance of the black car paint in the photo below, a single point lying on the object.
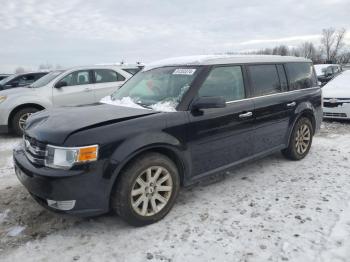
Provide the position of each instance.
(200, 142)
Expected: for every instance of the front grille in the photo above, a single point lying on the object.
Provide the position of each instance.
(335, 102)
(35, 151)
(328, 104)
(335, 114)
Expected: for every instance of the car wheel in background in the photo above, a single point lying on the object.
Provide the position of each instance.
(300, 140)
(146, 190)
(19, 119)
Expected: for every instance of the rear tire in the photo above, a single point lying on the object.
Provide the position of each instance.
(146, 190)
(300, 140)
(18, 120)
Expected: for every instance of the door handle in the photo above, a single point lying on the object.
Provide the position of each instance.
(245, 115)
(293, 104)
(87, 89)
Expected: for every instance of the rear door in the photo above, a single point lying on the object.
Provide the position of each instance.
(78, 91)
(221, 136)
(106, 82)
(273, 107)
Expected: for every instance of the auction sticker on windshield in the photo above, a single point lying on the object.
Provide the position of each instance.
(184, 71)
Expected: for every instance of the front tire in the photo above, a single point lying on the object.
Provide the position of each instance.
(19, 119)
(146, 190)
(300, 141)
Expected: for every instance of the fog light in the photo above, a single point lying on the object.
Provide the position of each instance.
(61, 205)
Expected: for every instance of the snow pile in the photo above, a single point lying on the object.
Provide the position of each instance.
(125, 101)
(168, 106)
(3, 215)
(163, 106)
(15, 231)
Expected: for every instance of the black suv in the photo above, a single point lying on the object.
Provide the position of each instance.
(20, 80)
(174, 123)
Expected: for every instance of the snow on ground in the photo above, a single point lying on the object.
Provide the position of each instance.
(268, 210)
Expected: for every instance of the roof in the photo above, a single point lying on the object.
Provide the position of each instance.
(101, 66)
(223, 59)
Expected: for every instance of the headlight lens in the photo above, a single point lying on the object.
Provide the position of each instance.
(2, 98)
(66, 157)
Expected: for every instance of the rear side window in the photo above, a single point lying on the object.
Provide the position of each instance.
(224, 81)
(265, 80)
(107, 75)
(301, 75)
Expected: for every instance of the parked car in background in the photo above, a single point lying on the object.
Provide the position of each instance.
(174, 123)
(2, 76)
(72, 87)
(326, 72)
(129, 68)
(346, 67)
(336, 97)
(20, 80)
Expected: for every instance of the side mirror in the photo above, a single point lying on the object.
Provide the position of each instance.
(61, 84)
(209, 102)
(14, 84)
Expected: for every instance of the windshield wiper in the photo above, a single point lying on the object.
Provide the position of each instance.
(143, 105)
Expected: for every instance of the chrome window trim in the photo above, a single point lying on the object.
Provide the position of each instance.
(281, 93)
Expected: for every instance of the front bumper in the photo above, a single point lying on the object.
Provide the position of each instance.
(85, 186)
(340, 110)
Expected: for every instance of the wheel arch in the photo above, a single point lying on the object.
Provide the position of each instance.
(169, 151)
(305, 112)
(20, 107)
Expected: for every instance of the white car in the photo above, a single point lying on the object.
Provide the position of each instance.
(72, 87)
(336, 101)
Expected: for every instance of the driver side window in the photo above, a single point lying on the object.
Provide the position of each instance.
(77, 78)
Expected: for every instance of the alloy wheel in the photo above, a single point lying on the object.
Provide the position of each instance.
(151, 191)
(302, 139)
(23, 119)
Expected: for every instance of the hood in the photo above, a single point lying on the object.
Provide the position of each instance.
(339, 87)
(15, 90)
(55, 125)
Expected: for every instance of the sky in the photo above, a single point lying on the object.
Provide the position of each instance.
(84, 32)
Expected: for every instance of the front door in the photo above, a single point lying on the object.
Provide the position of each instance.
(78, 90)
(220, 137)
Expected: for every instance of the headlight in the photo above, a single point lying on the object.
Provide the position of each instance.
(66, 157)
(2, 98)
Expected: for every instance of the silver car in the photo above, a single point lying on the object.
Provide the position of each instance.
(72, 87)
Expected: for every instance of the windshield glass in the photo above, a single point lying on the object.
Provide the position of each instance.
(7, 79)
(46, 79)
(160, 89)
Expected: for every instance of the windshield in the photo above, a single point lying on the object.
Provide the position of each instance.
(46, 79)
(160, 89)
(7, 79)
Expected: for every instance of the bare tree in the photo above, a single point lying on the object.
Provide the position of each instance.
(280, 50)
(344, 58)
(19, 70)
(332, 42)
(45, 66)
(338, 43)
(327, 41)
(307, 50)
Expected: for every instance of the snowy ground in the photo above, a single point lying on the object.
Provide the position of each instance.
(268, 210)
